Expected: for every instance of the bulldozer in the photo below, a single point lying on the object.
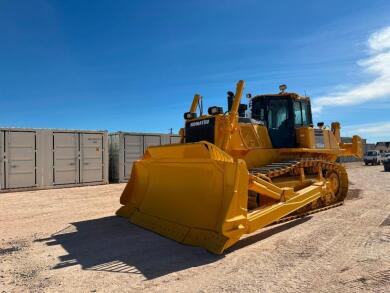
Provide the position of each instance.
(238, 171)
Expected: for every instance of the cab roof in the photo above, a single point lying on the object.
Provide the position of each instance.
(294, 96)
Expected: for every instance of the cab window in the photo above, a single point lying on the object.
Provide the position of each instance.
(277, 113)
(258, 110)
(298, 113)
(305, 113)
(302, 113)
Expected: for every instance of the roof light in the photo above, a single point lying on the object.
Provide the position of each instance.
(282, 88)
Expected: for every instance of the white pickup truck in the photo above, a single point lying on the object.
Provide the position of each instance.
(373, 158)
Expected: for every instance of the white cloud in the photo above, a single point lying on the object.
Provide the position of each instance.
(380, 40)
(379, 131)
(378, 64)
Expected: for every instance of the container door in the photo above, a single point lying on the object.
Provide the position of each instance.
(151, 140)
(174, 139)
(65, 158)
(91, 146)
(133, 150)
(2, 156)
(20, 159)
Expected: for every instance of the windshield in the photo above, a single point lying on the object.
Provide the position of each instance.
(371, 153)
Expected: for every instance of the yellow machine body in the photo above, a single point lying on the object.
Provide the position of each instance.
(210, 194)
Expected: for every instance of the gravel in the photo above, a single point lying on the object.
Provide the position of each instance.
(63, 240)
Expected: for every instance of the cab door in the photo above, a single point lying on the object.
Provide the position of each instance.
(280, 122)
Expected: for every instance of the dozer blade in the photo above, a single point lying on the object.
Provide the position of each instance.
(196, 194)
(192, 193)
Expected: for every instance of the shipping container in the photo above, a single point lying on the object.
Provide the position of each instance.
(174, 138)
(127, 147)
(48, 158)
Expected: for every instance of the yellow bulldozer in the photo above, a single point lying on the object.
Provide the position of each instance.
(237, 171)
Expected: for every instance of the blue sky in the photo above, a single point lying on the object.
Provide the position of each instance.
(135, 65)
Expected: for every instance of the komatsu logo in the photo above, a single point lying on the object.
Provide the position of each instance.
(199, 123)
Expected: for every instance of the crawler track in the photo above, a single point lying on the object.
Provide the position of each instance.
(311, 166)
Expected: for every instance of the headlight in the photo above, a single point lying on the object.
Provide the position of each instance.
(189, 115)
(215, 110)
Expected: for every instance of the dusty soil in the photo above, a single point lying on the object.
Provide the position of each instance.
(69, 240)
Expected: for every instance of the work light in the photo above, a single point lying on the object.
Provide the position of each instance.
(215, 110)
(189, 115)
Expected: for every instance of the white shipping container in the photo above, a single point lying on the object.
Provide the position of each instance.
(174, 138)
(48, 158)
(127, 147)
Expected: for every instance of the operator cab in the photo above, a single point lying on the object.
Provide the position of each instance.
(282, 113)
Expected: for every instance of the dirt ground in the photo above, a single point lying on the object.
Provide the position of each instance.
(65, 240)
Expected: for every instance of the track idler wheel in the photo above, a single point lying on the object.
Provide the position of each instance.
(338, 182)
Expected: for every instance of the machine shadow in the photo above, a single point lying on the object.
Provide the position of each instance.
(354, 193)
(112, 244)
(272, 230)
